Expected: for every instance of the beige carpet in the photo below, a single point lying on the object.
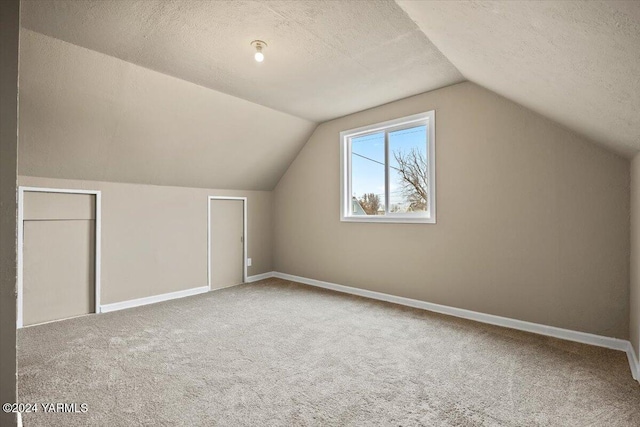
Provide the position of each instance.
(276, 353)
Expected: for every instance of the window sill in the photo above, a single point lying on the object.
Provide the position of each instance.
(389, 220)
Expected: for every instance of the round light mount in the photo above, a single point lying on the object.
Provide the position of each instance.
(259, 45)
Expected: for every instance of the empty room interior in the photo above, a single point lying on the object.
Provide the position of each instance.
(319, 213)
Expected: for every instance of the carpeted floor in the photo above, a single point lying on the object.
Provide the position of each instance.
(276, 353)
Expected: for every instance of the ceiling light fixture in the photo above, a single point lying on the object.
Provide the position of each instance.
(258, 44)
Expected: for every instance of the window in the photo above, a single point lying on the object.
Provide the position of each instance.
(388, 171)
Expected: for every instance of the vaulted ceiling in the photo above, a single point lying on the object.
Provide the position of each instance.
(324, 59)
(167, 91)
(576, 62)
(86, 115)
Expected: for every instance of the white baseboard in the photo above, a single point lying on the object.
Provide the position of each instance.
(262, 276)
(536, 328)
(106, 308)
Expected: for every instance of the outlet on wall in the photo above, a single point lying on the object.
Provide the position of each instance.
(248, 262)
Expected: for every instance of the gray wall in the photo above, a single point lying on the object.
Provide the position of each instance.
(634, 326)
(533, 221)
(9, 29)
(154, 238)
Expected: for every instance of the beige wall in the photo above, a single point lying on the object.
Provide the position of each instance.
(154, 238)
(9, 27)
(533, 221)
(634, 326)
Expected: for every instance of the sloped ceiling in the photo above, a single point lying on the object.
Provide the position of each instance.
(167, 92)
(324, 59)
(86, 115)
(576, 62)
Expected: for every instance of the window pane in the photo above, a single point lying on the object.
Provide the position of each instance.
(367, 174)
(408, 192)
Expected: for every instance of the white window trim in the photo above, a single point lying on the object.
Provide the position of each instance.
(345, 170)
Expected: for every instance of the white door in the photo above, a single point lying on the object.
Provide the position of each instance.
(227, 242)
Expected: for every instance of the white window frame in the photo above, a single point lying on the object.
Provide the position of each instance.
(429, 217)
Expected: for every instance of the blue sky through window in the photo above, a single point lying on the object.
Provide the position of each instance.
(367, 165)
(368, 159)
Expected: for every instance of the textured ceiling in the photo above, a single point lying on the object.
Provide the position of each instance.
(325, 59)
(576, 62)
(86, 115)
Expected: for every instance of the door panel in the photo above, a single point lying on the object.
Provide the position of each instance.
(58, 273)
(227, 242)
(38, 205)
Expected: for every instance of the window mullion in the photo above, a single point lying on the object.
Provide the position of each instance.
(386, 173)
(349, 178)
